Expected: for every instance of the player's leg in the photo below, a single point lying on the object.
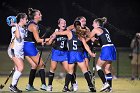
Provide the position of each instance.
(68, 78)
(51, 74)
(41, 70)
(32, 74)
(107, 67)
(19, 65)
(101, 74)
(83, 67)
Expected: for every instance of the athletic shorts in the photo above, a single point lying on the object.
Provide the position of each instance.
(16, 51)
(59, 55)
(74, 57)
(30, 49)
(108, 52)
(86, 54)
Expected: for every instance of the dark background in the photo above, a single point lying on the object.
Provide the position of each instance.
(123, 15)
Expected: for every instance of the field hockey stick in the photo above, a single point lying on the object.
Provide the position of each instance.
(93, 77)
(2, 85)
(47, 58)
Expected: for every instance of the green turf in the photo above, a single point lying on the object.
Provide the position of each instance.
(121, 85)
(124, 68)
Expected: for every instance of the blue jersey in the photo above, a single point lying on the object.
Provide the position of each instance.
(75, 44)
(104, 38)
(108, 51)
(29, 41)
(75, 48)
(60, 43)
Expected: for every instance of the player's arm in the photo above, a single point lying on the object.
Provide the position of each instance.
(62, 33)
(91, 35)
(87, 47)
(33, 28)
(15, 29)
(70, 27)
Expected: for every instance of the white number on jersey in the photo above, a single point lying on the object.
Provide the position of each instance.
(74, 45)
(62, 44)
(108, 37)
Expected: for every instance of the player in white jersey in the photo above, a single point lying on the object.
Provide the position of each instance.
(15, 49)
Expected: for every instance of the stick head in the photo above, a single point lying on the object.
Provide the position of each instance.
(1, 86)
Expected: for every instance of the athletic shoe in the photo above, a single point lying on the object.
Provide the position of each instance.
(92, 89)
(105, 86)
(75, 87)
(65, 89)
(108, 89)
(49, 88)
(30, 88)
(43, 87)
(14, 89)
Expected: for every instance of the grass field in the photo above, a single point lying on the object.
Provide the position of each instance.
(121, 85)
(122, 65)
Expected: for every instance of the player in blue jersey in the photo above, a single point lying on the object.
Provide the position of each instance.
(30, 50)
(82, 21)
(107, 55)
(75, 55)
(59, 52)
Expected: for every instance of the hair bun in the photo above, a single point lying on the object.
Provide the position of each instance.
(104, 19)
(30, 10)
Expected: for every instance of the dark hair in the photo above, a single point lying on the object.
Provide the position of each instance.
(79, 18)
(101, 21)
(20, 16)
(31, 13)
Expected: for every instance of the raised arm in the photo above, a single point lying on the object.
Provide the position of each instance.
(87, 47)
(33, 28)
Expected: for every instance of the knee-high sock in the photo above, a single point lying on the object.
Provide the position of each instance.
(68, 78)
(32, 76)
(109, 79)
(42, 76)
(101, 75)
(88, 79)
(16, 77)
(50, 78)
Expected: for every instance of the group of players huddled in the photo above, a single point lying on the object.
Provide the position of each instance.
(69, 47)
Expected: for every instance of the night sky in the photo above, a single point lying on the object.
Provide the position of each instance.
(123, 15)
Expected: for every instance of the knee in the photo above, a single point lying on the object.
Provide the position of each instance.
(33, 66)
(98, 67)
(20, 68)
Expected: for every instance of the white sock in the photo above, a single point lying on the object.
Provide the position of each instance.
(16, 77)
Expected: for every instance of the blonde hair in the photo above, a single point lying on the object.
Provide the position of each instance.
(101, 21)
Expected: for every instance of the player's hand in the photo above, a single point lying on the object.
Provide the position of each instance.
(93, 54)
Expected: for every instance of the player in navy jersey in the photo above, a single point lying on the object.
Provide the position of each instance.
(59, 52)
(107, 55)
(82, 21)
(30, 50)
(75, 55)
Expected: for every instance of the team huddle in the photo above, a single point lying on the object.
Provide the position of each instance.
(71, 46)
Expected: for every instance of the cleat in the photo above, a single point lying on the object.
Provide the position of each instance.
(108, 89)
(30, 88)
(43, 87)
(105, 86)
(65, 89)
(14, 89)
(75, 87)
(92, 89)
(49, 88)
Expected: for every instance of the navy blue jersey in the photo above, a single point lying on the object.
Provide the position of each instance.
(104, 38)
(29, 35)
(60, 43)
(75, 44)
